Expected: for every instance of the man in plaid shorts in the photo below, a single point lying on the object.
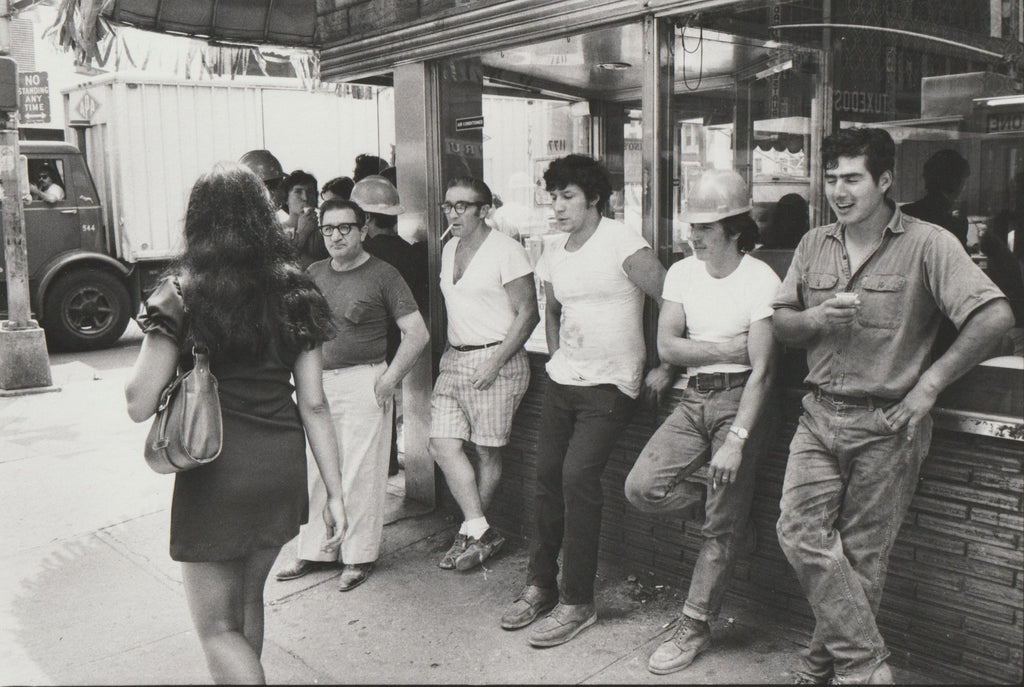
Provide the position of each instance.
(491, 302)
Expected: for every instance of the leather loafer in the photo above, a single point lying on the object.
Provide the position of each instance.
(300, 568)
(531, 603)
(562, 624)
(354, 575)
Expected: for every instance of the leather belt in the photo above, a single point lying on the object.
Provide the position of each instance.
(717, 381)
(475, 347)
(838, 400)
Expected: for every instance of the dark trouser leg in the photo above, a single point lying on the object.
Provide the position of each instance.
(602, 415)
(558, 420)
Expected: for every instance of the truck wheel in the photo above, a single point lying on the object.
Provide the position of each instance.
(86, 310)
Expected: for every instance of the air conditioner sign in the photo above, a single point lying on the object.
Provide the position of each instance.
(34, 97)
(1005, 121)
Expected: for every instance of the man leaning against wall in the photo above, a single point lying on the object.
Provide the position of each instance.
(865, 297)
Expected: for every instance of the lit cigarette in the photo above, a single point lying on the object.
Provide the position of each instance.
(445, 233)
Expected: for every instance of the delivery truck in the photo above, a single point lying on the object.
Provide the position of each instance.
(136, 146)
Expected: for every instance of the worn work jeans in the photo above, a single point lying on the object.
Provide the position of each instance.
(579, 428)
(657, 483)
(849, 482)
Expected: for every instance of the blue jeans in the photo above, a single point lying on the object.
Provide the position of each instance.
(579, 428)
(848, 485)
(657, 483)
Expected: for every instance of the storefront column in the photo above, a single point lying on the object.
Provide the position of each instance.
(656, 97)
(417, 155)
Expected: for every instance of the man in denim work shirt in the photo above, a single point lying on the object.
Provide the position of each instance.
(865, 297)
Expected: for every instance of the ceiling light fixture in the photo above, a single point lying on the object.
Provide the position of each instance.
(614, 66)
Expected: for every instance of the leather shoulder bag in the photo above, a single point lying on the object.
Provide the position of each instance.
(187, 431)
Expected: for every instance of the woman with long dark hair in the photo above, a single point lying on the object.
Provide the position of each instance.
(237, 291)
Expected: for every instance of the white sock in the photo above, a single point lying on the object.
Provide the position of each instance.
(476, 527)
(462, 529)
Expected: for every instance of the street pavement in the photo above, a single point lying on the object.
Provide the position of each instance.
(88, 594)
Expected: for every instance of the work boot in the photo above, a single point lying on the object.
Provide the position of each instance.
(479, 550)
(690, 638)
(458, 546)
(562, 624)
(532, 602)
(881, 675)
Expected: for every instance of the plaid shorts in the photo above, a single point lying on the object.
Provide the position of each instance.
(484, 417)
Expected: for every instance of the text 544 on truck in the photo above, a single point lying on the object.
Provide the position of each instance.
(97, 246)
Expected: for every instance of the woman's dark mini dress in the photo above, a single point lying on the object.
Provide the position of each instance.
(253, 496)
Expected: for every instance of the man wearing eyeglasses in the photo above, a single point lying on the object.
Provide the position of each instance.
(366, 295)
(46, 187)
(491, 301)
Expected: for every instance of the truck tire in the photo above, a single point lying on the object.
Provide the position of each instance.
(85, 310)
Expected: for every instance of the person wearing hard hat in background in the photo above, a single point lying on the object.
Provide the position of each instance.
(716, 320)
(865, 296)
(379, 200)
(266, 167)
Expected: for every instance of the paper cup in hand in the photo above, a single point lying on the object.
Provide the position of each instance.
(846, 298)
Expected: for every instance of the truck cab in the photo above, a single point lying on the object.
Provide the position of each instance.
(80, 293)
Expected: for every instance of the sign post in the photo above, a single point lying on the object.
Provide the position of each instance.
(24, 365)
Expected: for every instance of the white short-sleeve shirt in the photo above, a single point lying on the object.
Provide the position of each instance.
(478, 307)
(718, 309)
(601, 339)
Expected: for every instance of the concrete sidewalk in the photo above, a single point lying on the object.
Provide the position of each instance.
(89, 595)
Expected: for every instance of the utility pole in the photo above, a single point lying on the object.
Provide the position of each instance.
(24, 364)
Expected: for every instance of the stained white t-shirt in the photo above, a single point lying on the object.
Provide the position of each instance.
(718, 309)
(478, 307)
(601, 338)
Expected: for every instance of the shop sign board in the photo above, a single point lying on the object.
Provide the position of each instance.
(34, 97)
(1005, 121)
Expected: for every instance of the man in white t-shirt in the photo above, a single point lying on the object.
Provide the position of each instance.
(715, 320)
(491, 301)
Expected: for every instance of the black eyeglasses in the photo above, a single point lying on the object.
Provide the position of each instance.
(459, 206)
(343, 229)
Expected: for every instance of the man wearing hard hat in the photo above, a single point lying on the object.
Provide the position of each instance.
(716, 321)
(378, 197)
(266, 167)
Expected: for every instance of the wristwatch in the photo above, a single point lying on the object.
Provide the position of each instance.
(740, 432)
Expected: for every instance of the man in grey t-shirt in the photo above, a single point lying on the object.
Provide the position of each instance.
(365, 295)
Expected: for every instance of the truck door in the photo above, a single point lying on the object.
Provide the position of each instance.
(82, 193)
(51, 227)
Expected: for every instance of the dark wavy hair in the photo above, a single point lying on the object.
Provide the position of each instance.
(366, 165)
(876, 145)
(477, 186)
(298, 177)
(743, 226)
(339, 186)
(586, 172)
(242, 286)
(344, 204)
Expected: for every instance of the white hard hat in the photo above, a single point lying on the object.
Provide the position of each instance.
(716, 194)
(377, 195)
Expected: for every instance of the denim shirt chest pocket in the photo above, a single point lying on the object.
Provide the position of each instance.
(818, 288)
(881, 297)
